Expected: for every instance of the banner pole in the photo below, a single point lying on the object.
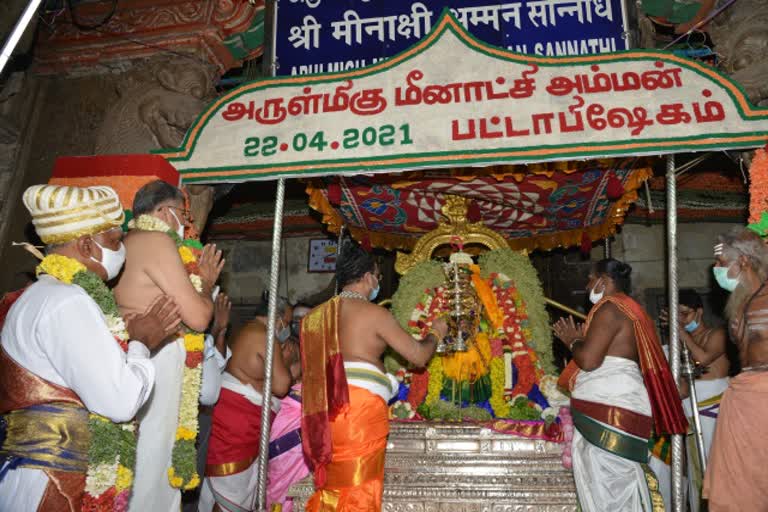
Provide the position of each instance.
(674, 334)
(270, 38)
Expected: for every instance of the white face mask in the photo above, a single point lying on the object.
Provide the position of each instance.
(180, 229)
(111, 261)
(595, 297)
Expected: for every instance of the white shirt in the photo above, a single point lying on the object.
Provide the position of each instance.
(159, 419)
(213, 370)
(56, 331)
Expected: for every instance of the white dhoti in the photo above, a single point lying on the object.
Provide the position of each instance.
(612, 416)
(708, 395)
(157, 433)
(233, 493)
(236, 489)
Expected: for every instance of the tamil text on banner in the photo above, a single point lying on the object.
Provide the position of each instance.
(314, 38)
(451, 100)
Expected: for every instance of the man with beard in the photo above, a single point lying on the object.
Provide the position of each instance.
(735, 476)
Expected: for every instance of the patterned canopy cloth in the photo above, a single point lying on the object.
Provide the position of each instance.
(535, 208)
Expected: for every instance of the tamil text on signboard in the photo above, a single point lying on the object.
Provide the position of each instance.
(320, 36)
(419, 110)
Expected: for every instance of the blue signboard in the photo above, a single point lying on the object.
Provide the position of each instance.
(326, 36)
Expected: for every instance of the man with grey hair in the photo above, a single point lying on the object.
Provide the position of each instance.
(231, 472)
(153, 267)
(736, 474)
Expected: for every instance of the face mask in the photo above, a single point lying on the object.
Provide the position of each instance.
(595, 297)
(691, 326)
(180, 229)
(725, 282)
(283, 334)
(112, 261)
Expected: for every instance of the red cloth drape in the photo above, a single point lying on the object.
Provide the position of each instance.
(324, 384)
(667, 409)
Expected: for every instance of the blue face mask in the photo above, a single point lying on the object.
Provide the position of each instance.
(721, 276)
(691, 326)
(374, 293)
(283, 334)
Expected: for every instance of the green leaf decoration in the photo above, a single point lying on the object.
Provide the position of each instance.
(98, 291)
(192, 243)
(761, 227)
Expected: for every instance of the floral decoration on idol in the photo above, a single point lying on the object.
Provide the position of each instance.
(505, 373)
(183, 473)
(112, 448)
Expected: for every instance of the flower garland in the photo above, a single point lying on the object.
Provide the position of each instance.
(758, 186)
(183, 473)
(435, 385)
(512, 263)
(515, 335)
(112, 450)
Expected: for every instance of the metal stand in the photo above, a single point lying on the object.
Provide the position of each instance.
(674, 334)
(698, 434)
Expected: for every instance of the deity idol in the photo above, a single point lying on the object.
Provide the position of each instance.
(495, 360)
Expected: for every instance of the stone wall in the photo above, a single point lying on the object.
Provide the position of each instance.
(644, 247)
(564, 273)
(246, 272)
(61, 120)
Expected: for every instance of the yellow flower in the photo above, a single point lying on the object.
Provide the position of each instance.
(61, 267)
(188, 408)
(197, 282)
(194, 342)
(175, 481)
(499, 405)
(124, 478)
(150, 223)
(186, 255)
(193, 483)
(99, 417)
(435, 384)
(186, 434)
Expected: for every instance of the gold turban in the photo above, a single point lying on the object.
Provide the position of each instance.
(61, 214)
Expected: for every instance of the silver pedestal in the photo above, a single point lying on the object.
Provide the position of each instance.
(445, 467)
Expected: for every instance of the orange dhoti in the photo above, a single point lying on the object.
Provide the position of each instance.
(735, 479)
(355, 475)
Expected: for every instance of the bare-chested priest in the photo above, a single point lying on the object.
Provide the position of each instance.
(231, 472)
(621, 389)
(345, 419)
(735, 478)
(154, 267)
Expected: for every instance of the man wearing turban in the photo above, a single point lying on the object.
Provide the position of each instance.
(67, 358)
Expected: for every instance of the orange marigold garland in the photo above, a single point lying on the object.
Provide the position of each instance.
(758, 185)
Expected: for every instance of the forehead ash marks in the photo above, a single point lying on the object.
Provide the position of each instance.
(719, 250)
